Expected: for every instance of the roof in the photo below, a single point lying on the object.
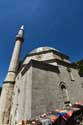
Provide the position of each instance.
(42, 50)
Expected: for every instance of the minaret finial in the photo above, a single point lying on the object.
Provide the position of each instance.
(20, 34)
(22, 27)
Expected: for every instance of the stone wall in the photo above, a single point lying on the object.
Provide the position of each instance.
(46, 94)
(21, 106)
(74, 87)
(38, 90)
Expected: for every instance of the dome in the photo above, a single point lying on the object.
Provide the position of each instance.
(41, 49)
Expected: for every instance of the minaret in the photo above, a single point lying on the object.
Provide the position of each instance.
(8, 86)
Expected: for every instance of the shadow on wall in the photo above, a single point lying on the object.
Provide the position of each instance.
(0, 90)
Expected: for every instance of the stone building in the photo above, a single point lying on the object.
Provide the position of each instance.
(44, 80)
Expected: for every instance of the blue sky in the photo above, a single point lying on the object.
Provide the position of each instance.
(54, 23)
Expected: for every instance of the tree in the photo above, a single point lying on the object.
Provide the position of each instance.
(80, 67)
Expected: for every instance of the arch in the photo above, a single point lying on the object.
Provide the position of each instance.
(64, 93)
(62, 85)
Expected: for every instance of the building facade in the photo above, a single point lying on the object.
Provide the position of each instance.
(45, 81)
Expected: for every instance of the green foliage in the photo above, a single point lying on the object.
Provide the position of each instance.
(0, 90)
(80, 67)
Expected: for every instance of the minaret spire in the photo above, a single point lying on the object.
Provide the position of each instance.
(15, 56)
(20, 32)
(8, 86)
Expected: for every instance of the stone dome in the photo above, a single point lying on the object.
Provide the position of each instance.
(41, 49)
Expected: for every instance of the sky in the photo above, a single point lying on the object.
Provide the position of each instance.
(53, 23)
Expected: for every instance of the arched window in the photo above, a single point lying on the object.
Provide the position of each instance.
(64, 92)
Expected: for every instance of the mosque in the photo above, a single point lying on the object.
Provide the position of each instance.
(46, 79)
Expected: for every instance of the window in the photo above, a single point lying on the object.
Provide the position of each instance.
(39, 57)
(70, 74)
(68, 69)
(18, 90)
(64, 93)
